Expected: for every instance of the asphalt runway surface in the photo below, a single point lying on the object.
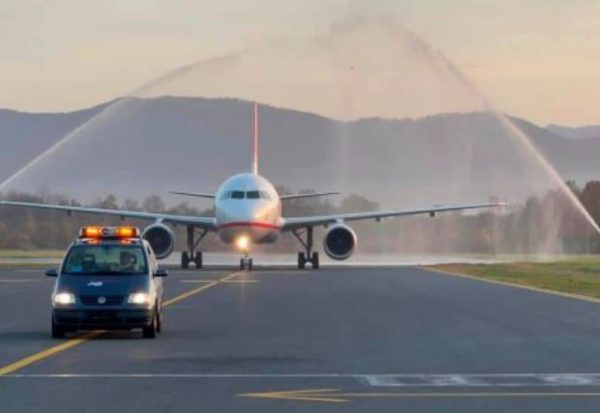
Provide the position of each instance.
(338, 339)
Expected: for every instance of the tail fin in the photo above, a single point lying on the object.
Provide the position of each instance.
(255, 144)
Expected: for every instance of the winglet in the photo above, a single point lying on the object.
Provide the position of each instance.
(255, 143)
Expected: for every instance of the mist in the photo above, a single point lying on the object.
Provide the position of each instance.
(366, 108)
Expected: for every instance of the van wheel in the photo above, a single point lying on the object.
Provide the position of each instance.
(57, 331)
(159, 322)
(151, 330)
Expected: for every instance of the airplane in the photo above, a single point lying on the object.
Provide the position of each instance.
(248, 211)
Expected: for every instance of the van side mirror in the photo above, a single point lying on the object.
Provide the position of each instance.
(51, 273)
(161, 273)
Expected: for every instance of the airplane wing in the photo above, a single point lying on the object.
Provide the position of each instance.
(207, 223)
(194, 194)
(308, 195)
(300, 222)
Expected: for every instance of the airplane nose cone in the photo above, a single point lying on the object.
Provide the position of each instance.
(250, 212)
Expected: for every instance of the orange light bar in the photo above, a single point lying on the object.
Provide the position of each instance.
(97, 232)
(90, 232)
(126, 232)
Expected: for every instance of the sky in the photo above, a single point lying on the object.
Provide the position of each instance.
(537, 59)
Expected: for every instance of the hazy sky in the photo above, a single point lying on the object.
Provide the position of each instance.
(539, 59)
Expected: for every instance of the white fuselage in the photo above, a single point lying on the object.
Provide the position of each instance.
(247, 205)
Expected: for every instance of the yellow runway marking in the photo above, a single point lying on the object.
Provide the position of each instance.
(11, 368)
(336, 396)
(75, 341)
(199, 289)
(509, 284)
(239, 281)
(310, 395)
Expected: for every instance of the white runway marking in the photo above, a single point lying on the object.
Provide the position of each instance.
(373, 380)
(196, 281)
(200, 273)
(484, 380)
(19, 281)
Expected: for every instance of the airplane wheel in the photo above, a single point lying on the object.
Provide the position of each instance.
(250, 264)
(198, 260)
(315, 261)
(242, 264)
(185, 260)
(301, 261)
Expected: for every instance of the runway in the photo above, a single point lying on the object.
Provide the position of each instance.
(350, 339)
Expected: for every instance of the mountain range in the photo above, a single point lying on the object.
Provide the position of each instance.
(135, 147)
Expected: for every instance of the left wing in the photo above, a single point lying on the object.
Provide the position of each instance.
(293, 223)
(194, 194)
(207, 223)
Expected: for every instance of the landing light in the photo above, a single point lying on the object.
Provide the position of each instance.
(243, 243)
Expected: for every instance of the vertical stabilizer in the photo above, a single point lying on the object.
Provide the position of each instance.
(255, 143)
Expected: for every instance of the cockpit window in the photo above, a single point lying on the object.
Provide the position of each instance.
(246, 195)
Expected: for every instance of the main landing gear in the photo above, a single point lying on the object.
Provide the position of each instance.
(308, 256)
(191, 255)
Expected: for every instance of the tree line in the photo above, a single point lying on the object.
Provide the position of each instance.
(547, 223)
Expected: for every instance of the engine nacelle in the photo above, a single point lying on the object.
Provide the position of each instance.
(161, 239)
(339, 242)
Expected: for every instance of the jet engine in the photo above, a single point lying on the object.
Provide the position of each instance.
(161, 239)
(339, 242)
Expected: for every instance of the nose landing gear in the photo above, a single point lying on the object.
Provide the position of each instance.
(243, 244)
(246, 263)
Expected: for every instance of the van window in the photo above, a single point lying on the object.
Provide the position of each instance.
(108, 259)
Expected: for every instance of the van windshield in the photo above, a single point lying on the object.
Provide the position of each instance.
(113, 259)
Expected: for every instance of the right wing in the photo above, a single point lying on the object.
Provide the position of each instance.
(207, 223)
(291, 224)
(307, 195)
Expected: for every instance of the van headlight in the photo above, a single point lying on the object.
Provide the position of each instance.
(64, 298)
(140, 298)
